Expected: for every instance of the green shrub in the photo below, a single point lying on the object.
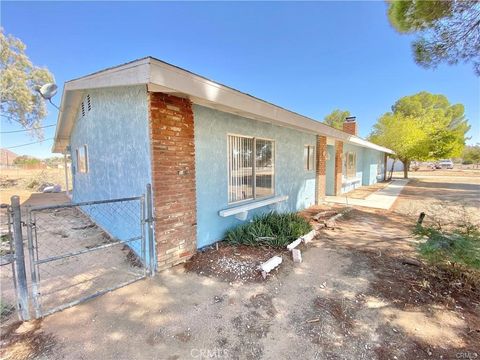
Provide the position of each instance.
(5, 309)
(271, 229)
(462, 245)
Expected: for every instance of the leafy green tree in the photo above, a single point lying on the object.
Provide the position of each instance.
(422, 127)
(471, 155)
(19, 102)
(447, 31)
(336, 118)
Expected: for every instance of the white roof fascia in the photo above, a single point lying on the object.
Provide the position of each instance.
(134, 73)
(163, 77)
(204, 91)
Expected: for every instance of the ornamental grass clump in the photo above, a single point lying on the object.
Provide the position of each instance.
(271, 229)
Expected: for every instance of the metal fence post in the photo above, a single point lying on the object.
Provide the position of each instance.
(150, 222)
(143, 222)
(34, 270)
(22, 287)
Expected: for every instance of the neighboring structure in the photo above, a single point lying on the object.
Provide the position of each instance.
(214, 156)
(6, 158)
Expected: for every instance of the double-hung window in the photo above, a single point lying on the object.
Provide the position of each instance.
(251, 168)
(309, 157)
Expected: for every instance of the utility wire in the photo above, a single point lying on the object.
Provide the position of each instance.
(35, 142)
(15, 131)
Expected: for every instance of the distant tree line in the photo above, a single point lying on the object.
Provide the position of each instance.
(471, 155)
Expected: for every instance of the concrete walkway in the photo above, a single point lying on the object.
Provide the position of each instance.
(381, 199)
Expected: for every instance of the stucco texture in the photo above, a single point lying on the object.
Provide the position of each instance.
(211, 130)
(116, 133)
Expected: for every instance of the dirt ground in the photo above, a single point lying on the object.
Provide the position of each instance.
(441, 194)
(351, 298)
(364, 191)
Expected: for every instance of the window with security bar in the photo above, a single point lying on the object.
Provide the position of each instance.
(251, 168)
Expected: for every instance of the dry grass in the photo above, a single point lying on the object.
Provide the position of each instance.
(24, 182)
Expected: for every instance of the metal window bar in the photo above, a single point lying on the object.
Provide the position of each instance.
(247, 156)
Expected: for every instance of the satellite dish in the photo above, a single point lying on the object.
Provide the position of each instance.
(47, 91)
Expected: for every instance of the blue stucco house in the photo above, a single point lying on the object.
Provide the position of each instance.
(215, 156)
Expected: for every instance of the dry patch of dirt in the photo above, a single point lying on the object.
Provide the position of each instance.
(409, 286)
(253, 325)
(235, 263)
(21, 341)
(364, 191)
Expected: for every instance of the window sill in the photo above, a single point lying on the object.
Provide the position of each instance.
(241, 211)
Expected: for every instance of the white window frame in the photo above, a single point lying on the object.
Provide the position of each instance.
(77, 151)
(306, 162)
(348, 175)
(254, 178)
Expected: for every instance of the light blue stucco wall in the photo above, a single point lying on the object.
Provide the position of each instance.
(373, 166)
(116, 133)
(211, 129)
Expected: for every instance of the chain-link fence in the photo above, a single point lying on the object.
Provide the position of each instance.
(8, 284)
(74, 252)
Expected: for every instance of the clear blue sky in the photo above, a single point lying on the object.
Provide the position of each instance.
(308, 57)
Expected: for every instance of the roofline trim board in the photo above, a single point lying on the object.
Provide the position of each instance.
(159, 76)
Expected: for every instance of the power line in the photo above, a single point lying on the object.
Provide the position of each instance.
(35, 142)
(15, 131)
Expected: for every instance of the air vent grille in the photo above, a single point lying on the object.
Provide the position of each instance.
(86, 105)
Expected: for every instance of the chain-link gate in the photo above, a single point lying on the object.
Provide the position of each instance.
(80, 251)
(7, 260)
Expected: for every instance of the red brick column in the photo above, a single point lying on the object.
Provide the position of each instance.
(338, 167)
(321, 169)
(173, 173)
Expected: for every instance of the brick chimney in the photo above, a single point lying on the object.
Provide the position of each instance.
(350, 125)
